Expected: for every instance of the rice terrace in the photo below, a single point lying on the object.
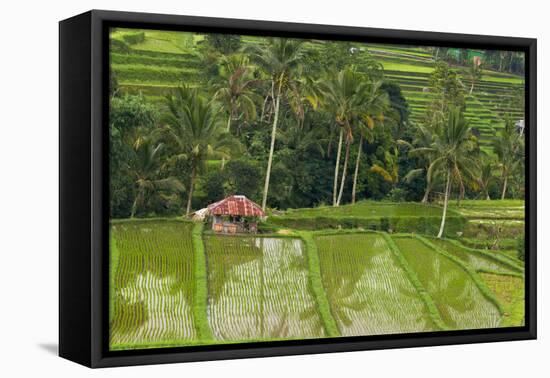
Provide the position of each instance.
(266, 189)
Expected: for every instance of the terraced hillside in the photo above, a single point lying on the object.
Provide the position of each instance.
(410, 67)
(154, 62)
(493, 226)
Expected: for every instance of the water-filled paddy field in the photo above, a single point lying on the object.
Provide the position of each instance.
(259, 288)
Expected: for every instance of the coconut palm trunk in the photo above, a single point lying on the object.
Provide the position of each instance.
(344, 169)
(271, 149)
(228, 130)
(426, 194)
(445, 203)
(134, 206)
(337, 166)
(504, 187)
(191, 187)
(356, 170)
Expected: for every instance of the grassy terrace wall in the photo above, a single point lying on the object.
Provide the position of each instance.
(370, 215)
(200, 292)
(114, 258)
(314, 266)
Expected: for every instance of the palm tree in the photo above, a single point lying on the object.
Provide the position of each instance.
(235, 88)
(145, 169)
(364, 133)
(485, 177)
(423, 139)
(507, 147)
(193, 127)
(390, 171)
(279, 59)
(346, 94)
(377, 102)
(452, 155)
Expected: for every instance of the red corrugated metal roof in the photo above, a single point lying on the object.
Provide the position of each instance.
(236, 205)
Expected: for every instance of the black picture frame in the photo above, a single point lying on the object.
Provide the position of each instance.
(83, 195)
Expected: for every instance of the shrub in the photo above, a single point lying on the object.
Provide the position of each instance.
(134, 38)
(119, 46)
(407, 224)
(213, 187)
(243, 177)
(384, 224)
(397, 195)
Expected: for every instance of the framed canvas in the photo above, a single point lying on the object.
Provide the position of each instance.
(235, 188)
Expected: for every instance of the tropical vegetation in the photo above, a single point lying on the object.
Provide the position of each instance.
(392, 178)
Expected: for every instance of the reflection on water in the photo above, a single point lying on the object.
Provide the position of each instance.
(150, 311)
(368, 290)
(459, 300)
(259, 289)
(153, 284)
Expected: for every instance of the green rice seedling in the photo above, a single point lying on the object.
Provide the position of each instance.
(460, 301)
(478, 260)
(510, 291)
(259, 289)
(200, 303)
(153, 284)
(369, 292)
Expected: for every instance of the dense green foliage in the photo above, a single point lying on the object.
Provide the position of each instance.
(309, 122)
(129, 116)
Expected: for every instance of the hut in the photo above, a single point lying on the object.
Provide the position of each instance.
(235, 214)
